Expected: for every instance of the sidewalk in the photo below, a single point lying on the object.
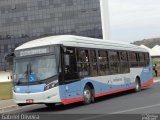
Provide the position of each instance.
(156, 78)
(7, 105)
(4, 103)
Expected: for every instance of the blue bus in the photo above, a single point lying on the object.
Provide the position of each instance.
(66, 69)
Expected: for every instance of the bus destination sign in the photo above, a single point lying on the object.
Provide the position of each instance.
(32, 52)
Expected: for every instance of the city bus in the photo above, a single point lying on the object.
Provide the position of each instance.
(65, 69)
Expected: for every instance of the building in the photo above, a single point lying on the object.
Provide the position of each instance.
(25, 20)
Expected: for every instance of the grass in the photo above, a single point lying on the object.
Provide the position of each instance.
(5, 90)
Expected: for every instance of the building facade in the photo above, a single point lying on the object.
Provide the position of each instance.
(25, 20)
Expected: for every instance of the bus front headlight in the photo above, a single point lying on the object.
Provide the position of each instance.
(51, 85)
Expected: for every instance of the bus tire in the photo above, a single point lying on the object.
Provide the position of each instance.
(87, 95)
(21, 104)
(138, 85)
(50, 105)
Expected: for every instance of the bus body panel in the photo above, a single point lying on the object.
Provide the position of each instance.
(50, 96)
(30, 88)
(109, 84)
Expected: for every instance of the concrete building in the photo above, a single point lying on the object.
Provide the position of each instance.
(25, 20)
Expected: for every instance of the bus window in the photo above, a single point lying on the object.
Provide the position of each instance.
(82, 56)
(93, 57)
(103, 62)
(141, 59)
(83, 63)
(133, 57)
(93, 61)
(147, 59)
(94, 69)
(124, 62)
(70, 69)
(83, 69)
(114, 61)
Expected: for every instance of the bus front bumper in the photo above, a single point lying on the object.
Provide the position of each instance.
(49, 96)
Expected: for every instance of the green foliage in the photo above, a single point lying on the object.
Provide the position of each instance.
(5, 90)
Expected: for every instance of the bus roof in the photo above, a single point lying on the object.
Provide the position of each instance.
(78, 41)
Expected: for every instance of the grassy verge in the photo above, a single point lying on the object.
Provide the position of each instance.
(5, 90)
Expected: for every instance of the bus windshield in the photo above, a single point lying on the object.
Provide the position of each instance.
(35, 68)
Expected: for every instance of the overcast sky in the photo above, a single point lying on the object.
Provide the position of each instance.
(132, 20)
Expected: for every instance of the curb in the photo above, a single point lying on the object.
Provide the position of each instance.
(155, 81)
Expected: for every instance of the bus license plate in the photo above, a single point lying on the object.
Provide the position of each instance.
(29, 101)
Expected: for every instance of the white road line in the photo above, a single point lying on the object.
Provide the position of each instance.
(133, 109)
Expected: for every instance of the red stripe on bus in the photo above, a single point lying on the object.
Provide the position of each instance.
(72, 100)
(114, 91)
(148, 83)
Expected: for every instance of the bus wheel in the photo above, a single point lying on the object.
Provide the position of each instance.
(87, 95)
(138, 85)
(50, 105)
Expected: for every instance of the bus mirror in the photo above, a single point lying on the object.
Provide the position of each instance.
(9, 57)
(66, 60)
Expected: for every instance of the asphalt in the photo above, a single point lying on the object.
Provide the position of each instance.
(145, 102)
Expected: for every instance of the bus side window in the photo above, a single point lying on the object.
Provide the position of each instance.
(70, 66)
(141, 59)
(133, 58)
(124, 62)
(115, 62)
(93, 61)
(147, 59)
(103, 62)
(83, 63)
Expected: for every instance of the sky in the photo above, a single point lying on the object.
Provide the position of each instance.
(132, 20)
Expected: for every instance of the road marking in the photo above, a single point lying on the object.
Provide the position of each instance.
(98, 116)
(133, 109)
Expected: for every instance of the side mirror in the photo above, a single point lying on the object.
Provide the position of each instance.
(9, 58)
(66, 60)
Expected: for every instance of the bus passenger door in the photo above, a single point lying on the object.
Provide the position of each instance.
(71, 78)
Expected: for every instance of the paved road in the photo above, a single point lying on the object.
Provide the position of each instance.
(146, 101)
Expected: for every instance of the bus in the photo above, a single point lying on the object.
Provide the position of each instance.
(66, 69)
